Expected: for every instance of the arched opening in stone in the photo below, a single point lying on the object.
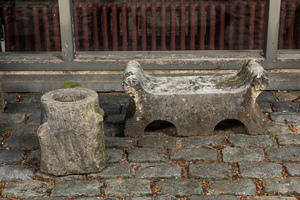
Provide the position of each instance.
(231, 126)
(161, 127)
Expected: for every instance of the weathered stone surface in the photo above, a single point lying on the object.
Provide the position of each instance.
(46, 198)
(165, 197)
(69, 177)
(13, 118)
(251, 141)
(260, 169)
(115, 118)
(176, 100)
(34, 119)
(26, 189)
(154, 171)
(10, 98)
(76, 188)
(113, 130)
(292, 169)
(238, 187)
(289, 154)
(18, 129)
(213, 197)
(271, 198)
(288, 117)
(287, 106)
(22, 142)
(2, 105)
(139, 198)
(192, 142)
(14, 172)
(147, 155)
(113, 171)
(118, 142)
(210, 171)
(193, 154)
(127, 187)
(180, 187)
(97, 198)
(157, 141)
(238, 155)
(287, 96)
(296, 126)
(31, 98)
(10, 156)
(114, 155)
(113, 102)
(266, 97)
(278, 128)
(282, 185)
(265, 107)
(27, 108)
(288, 139)
(71, 136)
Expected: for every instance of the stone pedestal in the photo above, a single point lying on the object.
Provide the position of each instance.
(71, 136)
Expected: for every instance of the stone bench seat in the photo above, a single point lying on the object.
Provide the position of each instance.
(194, 104)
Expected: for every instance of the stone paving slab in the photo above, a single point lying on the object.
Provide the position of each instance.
(11, 156)
(14, 173)
(45, 198)
(193, 154)
(296, 126)
(282, 185)
(127, 187)
(180, 187)
(27, 108)
(250, 141)
(210, 171)
(236, 187)
(34, 119)
(214, 197)
(114, 155)
(161, 171)
(147, 155)
(271, 198)
(260, 169)
(18, 129)
(266, 97)
(157, 141)
(287, 96)
(76, 188)
(288, 139)
(118, 142)
(113, 171)
(292, 169)
(116, 118)
(113, 130)
(287, 106)
(31, 98)
(26, 189)
(202, 141)
(289, 154)
(22, 142)
(13, 118)
(265, 107)
(69, 177)
(10, 98)
(288, 117)
(278, 128)
(239, 155)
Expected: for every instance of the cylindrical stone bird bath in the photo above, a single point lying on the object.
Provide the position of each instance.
(71, 136)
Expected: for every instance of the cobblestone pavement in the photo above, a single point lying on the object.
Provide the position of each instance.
(226, 166)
